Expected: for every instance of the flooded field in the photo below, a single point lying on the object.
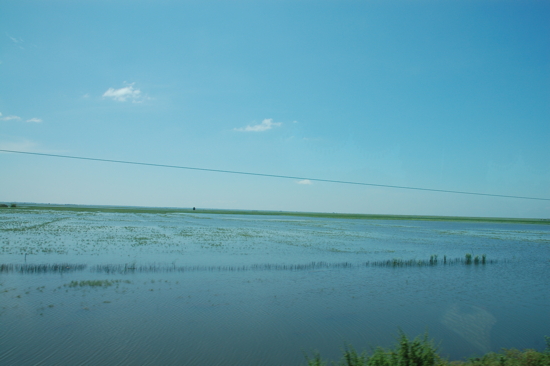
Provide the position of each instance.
(94, 287)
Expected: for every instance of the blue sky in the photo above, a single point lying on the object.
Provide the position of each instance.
(451, 95)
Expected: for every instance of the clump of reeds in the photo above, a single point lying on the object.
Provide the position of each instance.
(121, 269)
(41, 268)
(433, 261)
(477, 260)
(133, 267)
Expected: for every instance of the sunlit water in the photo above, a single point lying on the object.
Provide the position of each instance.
(247, 290)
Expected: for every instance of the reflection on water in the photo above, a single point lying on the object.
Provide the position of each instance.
(122, 288)
(472, 323)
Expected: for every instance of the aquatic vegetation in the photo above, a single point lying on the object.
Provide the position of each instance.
(42, 268)
(94, 283)
(199, 212)
(31, 227)
(396, 262)
(120, 269)
(156, 268)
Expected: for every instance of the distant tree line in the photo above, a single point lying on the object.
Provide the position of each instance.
(4, 205)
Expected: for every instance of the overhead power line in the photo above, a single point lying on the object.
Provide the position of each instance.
(274, 175)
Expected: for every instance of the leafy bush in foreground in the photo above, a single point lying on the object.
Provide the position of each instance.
(417, 352)
(422, 352)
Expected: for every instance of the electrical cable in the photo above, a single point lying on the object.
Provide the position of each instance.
(275, 175)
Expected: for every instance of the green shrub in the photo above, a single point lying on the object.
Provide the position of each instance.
(422, 352)
(512, 357)
(417, 352)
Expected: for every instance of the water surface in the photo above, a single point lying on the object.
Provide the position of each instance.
(195, 289)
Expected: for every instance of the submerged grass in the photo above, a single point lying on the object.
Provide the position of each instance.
(94, 283)
(421, 351)
(31, 227)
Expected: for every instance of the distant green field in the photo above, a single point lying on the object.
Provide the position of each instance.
(162, 210)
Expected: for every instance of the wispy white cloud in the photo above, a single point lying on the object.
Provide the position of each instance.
(17, 118)
(22, 145)
(15, 40)
(124, 94)
(9, 118)
(305, 181)
(267, 124)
